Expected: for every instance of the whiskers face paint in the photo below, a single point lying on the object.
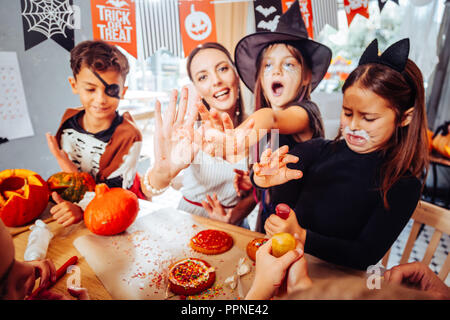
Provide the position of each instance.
(356, 137)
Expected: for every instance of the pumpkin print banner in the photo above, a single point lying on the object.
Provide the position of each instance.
(306, 11)
(114, 21)
(267, 14)
(197, 23)
(354, 7)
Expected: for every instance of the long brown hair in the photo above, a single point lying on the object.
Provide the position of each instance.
(217, 46)
(407, 149)
(304, 91)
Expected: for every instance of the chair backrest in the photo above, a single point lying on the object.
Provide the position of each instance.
(436, 217)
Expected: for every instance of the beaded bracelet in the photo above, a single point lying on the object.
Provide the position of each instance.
(148, 185)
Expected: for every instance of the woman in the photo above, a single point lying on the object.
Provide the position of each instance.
(207, 182)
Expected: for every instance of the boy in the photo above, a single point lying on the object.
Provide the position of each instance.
(94, 138)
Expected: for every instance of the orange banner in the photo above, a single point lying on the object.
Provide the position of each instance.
(352, 8)
(114, 21)
(307, 14)
(197, 23)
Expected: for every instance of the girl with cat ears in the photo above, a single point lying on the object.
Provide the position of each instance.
(352, 197)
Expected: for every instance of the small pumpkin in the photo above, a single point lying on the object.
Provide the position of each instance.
(111, 211)
(23, 196)
(71, 186)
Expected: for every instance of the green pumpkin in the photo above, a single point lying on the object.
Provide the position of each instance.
(71, 186)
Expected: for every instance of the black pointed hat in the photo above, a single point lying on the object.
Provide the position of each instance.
(290, 30)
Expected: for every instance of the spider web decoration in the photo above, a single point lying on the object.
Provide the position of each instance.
(45, 19)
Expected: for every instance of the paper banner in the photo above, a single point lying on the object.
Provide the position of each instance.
(324, 12)
(306, 11)
(114, 21)
(354, 7)
(197, 23)
(381, 3)
(52, 19)
(267, 14)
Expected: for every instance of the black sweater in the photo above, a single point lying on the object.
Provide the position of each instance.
(339, 203)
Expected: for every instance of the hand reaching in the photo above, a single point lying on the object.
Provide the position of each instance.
(60, 155)
(418, 275)
(241, 181)
(174, 144)
(272, 169)
(65, 212)
(215, 209)
(273, 273)
(221, 139)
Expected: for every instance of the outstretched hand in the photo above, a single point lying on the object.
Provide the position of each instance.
(272, 169)
(60, 155)
(174, 144)
(221, 139)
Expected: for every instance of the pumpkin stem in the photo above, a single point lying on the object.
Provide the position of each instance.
(100, 189)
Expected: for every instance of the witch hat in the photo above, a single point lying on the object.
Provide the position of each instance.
(291, 30)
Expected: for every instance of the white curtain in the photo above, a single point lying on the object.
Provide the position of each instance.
(421, 23)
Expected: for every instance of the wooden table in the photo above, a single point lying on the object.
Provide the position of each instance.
(61, 249)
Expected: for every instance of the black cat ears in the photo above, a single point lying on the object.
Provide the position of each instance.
(394, 57)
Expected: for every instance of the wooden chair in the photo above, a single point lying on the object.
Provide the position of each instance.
(436, 217)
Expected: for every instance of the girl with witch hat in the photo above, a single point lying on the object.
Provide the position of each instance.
(358, 191)
(289, 66)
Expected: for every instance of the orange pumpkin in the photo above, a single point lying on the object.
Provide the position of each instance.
(23, 196)
(111, 211)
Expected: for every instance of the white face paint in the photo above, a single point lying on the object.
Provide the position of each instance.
(362, 134)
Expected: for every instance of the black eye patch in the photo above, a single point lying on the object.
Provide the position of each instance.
(111, 90)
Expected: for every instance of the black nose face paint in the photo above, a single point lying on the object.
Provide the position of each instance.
(111, 90)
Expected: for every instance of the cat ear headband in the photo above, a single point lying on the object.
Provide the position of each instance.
(395, 57)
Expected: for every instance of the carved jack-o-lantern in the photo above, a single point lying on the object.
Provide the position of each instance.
(198, 25)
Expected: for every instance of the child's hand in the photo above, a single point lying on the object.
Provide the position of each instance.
(215, 209)
(221, 139)
(60, 155)
(270, 271)
(64, 212)
(272, 169)
(274, 224)
(79, 293)
(241, 181)
(43, 269)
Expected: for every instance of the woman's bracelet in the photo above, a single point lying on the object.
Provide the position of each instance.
(148, 185)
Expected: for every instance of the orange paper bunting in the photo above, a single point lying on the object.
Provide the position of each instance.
(114, 21)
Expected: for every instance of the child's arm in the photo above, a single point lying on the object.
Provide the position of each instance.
(61, 156)
(291, 120)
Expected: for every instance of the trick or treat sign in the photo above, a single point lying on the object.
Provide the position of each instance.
(114, 21)
(197, 23)
(306, 11)
(354, 7)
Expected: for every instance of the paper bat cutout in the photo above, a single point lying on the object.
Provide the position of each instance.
(269, 25)
(265, 11)
(117, 3)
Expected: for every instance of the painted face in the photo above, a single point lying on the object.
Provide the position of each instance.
(367, 121)
(16, 278)
(215, 79)
(97, 103)
(280, 75)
